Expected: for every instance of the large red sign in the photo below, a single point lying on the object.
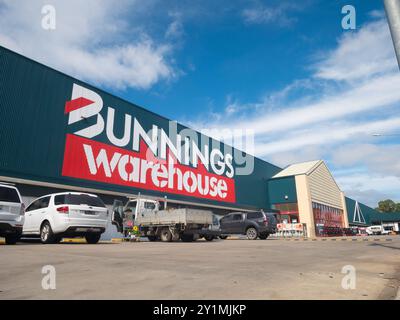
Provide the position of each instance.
(91, 160)
(155, 160)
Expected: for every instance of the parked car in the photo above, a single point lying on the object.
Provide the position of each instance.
(67, 214)
(255, 224)
(11, 213)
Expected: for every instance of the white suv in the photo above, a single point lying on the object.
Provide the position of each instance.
(67, 214)
(11, 213)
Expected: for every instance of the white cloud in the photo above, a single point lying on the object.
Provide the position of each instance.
(352, 92)
(94, 40)
(360, 55)
(380, 14)
(331, 134)
(278, 14)
(320, 121)
(380, 159)
(175, 28)
(377, 93)
(306, 153)
(369, 188)
(260, 15)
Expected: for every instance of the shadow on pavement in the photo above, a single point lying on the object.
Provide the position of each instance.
(385, 246)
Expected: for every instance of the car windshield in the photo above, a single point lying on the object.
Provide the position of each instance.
(78, 199)
(9, 195)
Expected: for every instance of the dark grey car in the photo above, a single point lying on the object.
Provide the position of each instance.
(253, 224)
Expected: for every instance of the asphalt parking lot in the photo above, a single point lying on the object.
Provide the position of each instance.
(230, 269)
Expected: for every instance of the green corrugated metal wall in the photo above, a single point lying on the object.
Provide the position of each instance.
(370, 215)
(33, 128)
(282, 190)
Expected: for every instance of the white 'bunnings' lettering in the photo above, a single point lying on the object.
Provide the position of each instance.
(120, 142)
(156, 139)
(87, 111)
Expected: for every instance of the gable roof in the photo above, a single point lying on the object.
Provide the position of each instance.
(298, 168)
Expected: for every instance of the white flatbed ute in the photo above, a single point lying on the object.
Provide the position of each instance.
(172, 224)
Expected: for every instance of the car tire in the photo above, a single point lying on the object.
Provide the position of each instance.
(166, 235)
(152, 238)
(187, 237)
(92, 238)
(263, 236)
(11, 239)
(223, 237)
(251, 233)
(209, 237)
(46, 234)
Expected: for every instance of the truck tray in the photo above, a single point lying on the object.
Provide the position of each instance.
(175, 216)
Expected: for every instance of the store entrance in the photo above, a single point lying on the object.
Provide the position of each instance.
(329, 221)
(288, 212)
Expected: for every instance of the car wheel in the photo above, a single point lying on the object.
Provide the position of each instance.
(92, 238)
(187, 237)
(12, 239)
(263, 236)
(251, 233)
(152, 238)
(166, 235)
(209, 237)
(46, 234)
(223, 237)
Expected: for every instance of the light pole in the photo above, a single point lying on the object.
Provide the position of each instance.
(392, 8)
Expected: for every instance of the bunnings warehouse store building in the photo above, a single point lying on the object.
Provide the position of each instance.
(58, 133)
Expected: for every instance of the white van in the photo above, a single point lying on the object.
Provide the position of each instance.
(378, 229)
(11, 213)
(67, 214)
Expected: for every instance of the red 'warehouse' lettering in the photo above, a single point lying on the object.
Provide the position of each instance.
(92, 160)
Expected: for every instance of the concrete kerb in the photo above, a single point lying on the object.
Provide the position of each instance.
(336, 239)
(76, 240)
(120, 240)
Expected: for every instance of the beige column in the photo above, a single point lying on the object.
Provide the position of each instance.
(346, 217)
(304, 204)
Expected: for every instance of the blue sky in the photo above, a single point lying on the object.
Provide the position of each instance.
(309, 89)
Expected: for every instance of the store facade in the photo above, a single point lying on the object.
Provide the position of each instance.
(307, 193)
(58, 133)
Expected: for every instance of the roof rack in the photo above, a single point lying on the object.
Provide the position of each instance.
(147, 197)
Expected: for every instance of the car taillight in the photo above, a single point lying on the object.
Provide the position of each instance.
(266, 221)
(64, 209)
(22, 210)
